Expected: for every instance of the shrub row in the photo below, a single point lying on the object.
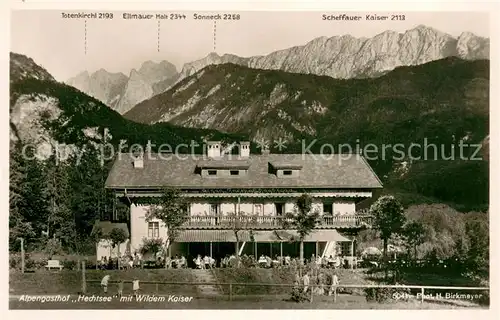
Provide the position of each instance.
(36, 262)
(70, 282)
(382, 295)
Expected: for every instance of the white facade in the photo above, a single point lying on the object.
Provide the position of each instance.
(140, 228)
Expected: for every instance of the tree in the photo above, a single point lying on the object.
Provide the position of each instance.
(85, 175)
(303, 219)
(151, 246)
(53, 247)
(171, 208)
(478, 254)
(117, 237)
(414, 233)
(27, 203)
(389, 219)
(60, 220)
(445, 231)
(239, 222)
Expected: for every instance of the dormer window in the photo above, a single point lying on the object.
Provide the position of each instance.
(285, 169)
(222, 168)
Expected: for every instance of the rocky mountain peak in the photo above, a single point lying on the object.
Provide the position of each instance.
(134, 74)
(212, 55)
(84, 74)
(137, 89)
(471, 46)
(155, 72)
(341, 56)
(466, 35)
(22, 67)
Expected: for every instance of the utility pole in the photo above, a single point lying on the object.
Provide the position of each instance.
(22, 254)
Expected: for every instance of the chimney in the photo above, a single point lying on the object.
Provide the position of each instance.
(139, 161)
(213, 149)
(244, 149)
(265, 150)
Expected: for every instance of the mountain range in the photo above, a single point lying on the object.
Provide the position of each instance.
(445, 101)
(269, 104)
(341, 57)
(120, 92)
(46, 114)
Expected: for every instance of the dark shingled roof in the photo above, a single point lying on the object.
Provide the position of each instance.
(328, 171)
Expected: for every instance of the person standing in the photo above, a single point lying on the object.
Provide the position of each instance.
(334, 282)
(135, 287)
(120, 289)
(321, 284)
(306, 281)
(206, 262)
(104, 283)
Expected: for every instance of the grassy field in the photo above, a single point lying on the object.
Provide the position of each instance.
(428, 279)
(273, 276)
(70, 282)
(248, 296)
(343, 302)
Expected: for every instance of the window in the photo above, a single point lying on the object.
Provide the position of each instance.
(212, 172)
(153, 229)
(345, 249)
(279, 208)
(287, 172)
(234, 172)
(328, 208)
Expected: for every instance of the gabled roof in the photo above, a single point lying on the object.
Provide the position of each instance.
(328, 171)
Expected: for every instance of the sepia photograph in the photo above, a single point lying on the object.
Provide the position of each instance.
(249, 160)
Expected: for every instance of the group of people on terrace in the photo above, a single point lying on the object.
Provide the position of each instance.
(207, 262)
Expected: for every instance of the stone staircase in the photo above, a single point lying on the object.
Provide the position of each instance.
(206, 276)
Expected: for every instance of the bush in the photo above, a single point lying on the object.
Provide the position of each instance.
(53, 247)
(351, 291)
(298, 295)
(29, 264)
(15, 261)
(382, 295)
(90, 263)
(247, 262)
(30, 261)
(69, 264)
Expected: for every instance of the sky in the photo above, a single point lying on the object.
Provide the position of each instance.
(119, 45)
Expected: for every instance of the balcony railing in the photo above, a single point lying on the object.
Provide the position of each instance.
(273, 222)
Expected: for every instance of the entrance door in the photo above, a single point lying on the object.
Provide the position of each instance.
(279, 209)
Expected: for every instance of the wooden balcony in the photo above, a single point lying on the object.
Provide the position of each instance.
(273, 222)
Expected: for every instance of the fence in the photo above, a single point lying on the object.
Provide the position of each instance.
(273, 222)
(230, 290)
